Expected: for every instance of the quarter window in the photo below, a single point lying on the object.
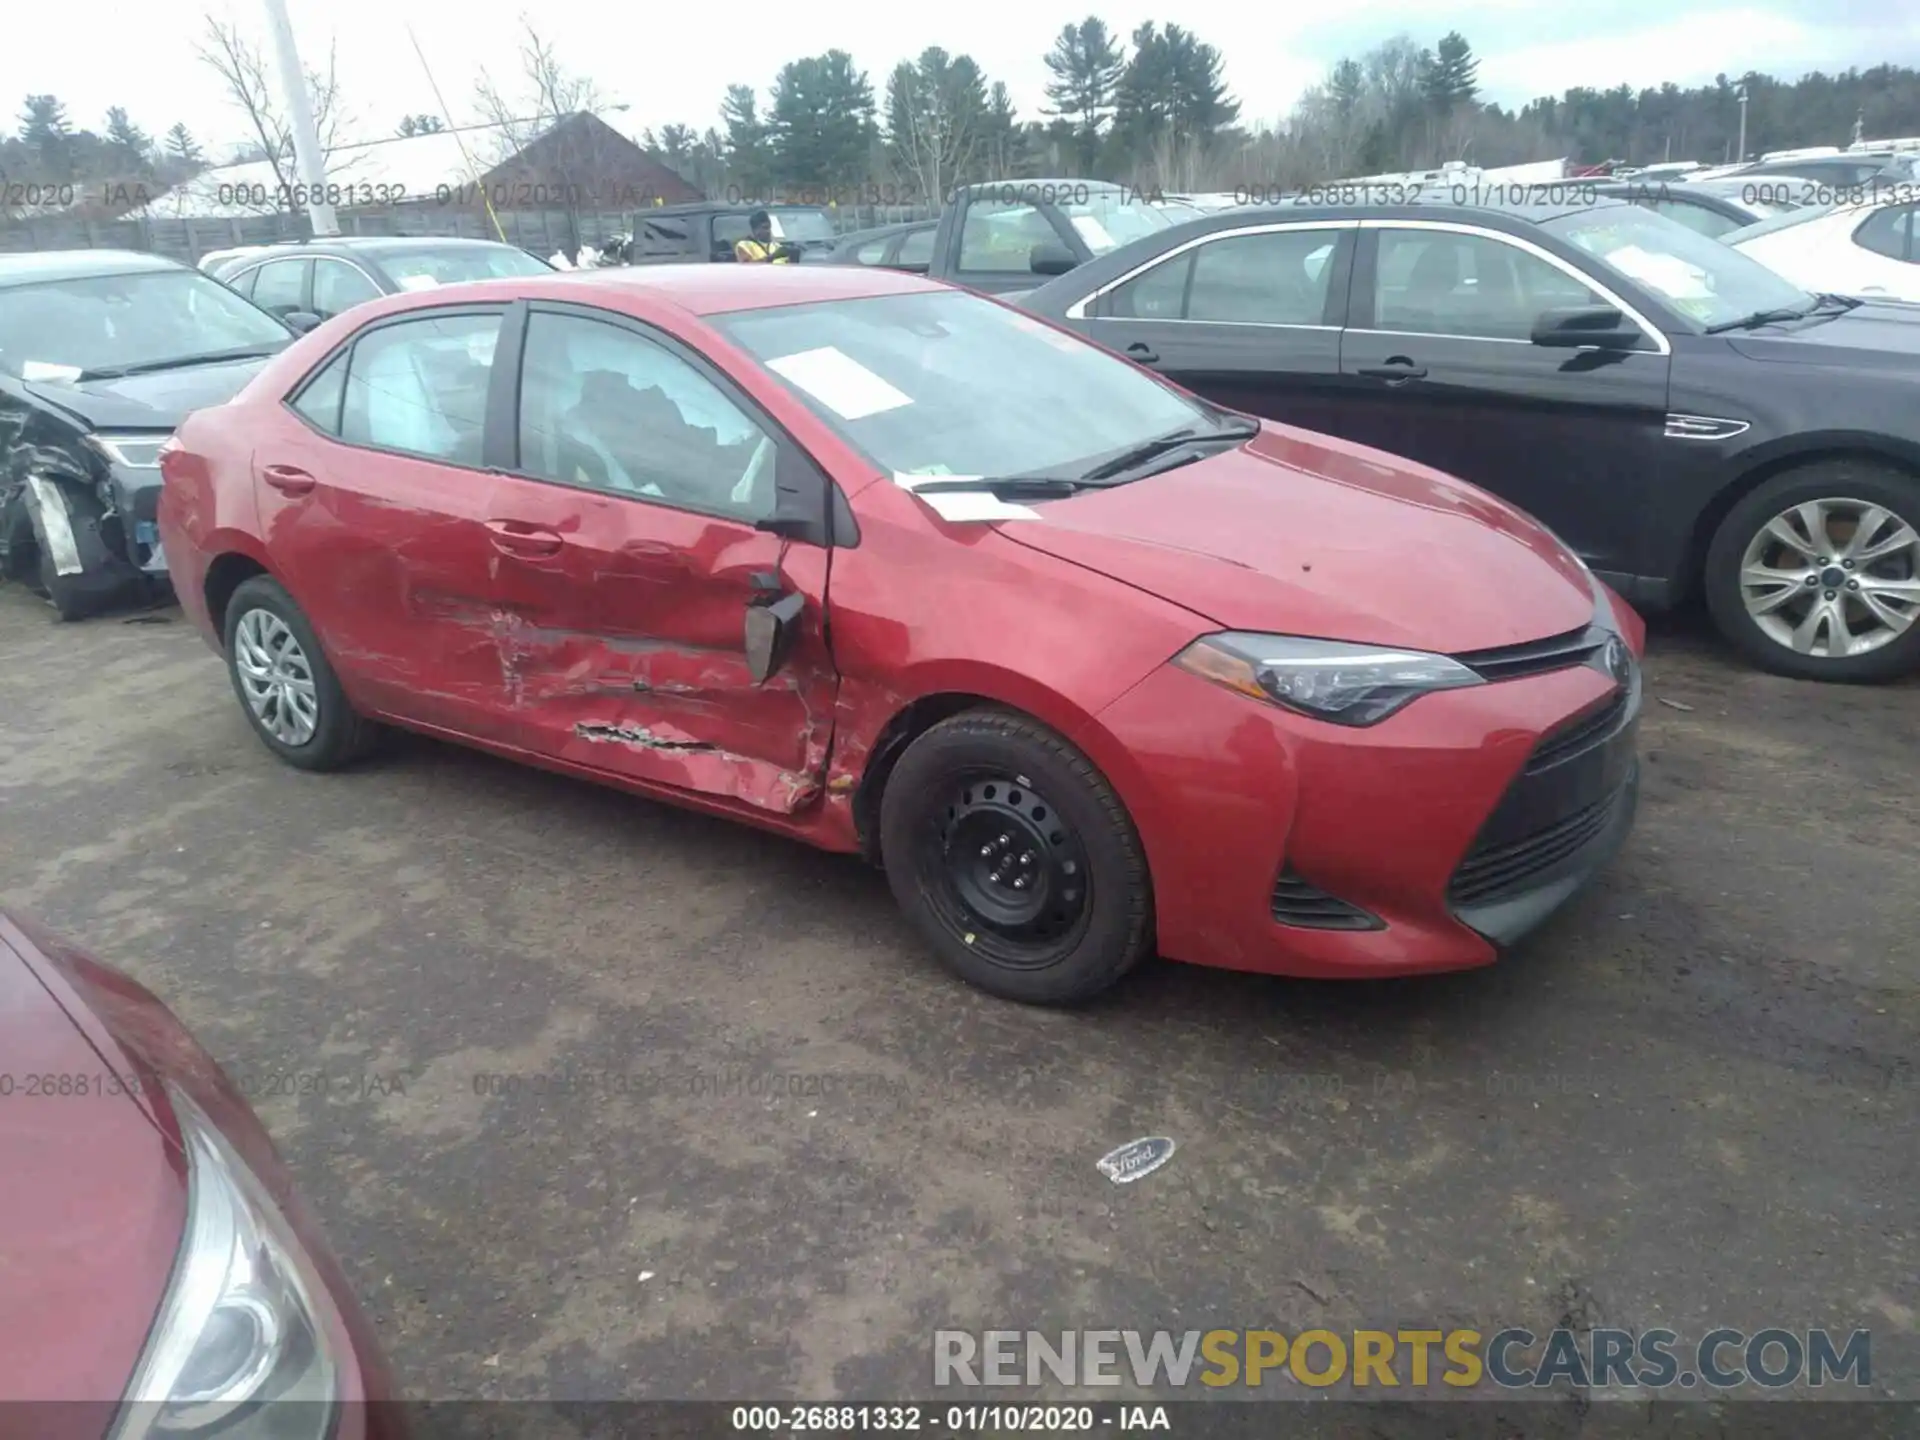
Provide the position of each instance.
(608, 409)
(420, 386)
(1439, 282)
(1888, 232)
(321, 398)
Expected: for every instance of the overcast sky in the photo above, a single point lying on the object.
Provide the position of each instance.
(673, 63)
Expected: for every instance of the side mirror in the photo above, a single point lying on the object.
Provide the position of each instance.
(303, 320)
(1584, 327)
(773, 624)
(1051, 258)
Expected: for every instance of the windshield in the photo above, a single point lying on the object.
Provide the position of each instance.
(449, 265)
(1705, 280)
(944, 383)
(804, 226)
(60, 328)
(1108, 219)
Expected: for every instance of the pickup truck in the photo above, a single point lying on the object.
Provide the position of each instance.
(1005, 236)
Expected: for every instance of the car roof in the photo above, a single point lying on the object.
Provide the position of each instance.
(1567, 197)
(47, 265)
(371, 244)
(700, 290)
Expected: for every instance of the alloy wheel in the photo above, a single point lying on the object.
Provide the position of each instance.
(1011, 871)
(276, 677)
(1833, 578)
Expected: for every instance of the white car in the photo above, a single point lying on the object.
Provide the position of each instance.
(1867, 249)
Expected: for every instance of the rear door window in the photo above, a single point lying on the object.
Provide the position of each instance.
(419, 386)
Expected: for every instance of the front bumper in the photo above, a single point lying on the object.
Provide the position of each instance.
(1265, 831)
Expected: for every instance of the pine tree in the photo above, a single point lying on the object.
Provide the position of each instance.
(936, 116)
(1451, 74)
(1086, 65)
(131, 146)
(181, 145)
(820, 125)
(748, 162)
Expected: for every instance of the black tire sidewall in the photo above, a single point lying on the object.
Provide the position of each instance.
(1119, 928)
(336, 738)
(1830, 479)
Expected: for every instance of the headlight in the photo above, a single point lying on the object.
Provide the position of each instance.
(239, 1325)
(130, 452)
(1327, 679)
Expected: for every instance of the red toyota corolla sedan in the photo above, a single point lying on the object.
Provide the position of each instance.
(1089, 665)
(158, 1275)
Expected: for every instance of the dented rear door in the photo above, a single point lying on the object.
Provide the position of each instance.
(625, 559)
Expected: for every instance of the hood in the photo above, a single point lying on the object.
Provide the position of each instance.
(1295, 533)
(92, 1194)
(158, 401)
(1875, 335)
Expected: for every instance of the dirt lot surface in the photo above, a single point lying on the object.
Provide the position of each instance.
(1689, 1102)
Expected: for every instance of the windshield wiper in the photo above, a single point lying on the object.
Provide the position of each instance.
(180, 362)
(1010, 487)
(1230, 429)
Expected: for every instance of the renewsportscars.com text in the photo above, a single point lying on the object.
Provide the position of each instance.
(1508, 1359)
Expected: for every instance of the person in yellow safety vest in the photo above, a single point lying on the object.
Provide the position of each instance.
(760, 248)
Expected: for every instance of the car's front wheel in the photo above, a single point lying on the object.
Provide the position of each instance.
(1816, 573)
(1015, 859)
(289, 692)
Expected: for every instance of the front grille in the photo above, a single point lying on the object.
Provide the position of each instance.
(1536, 657)
(1305, 906)
(1580, 734)
(1491, 872)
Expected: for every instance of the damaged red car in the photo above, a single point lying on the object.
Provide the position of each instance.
(1091, 667)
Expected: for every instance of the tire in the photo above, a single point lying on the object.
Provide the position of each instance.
(976, 779)
(1838, 493)
(338, 735)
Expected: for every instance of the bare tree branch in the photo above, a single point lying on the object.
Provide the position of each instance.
(243, 72)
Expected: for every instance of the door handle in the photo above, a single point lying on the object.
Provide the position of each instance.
(288, 479)
(1397, 371)
(1143, 352)
(517, 537)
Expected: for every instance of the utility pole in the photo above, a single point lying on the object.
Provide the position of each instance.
(1741, 93)
(306, 137)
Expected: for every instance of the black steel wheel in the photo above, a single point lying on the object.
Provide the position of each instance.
(1016, 860)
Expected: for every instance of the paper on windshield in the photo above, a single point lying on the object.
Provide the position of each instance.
(964, 504)
(48, 370)
(839, 382)
(418, 282)
(1094, 233)
(1669, 274)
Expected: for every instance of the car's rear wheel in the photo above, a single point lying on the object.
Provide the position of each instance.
(1015, 859)
(1816, 573)
(287, 689)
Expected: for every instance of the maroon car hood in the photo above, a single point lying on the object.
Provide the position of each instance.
(93, 1197)
(1295, 533)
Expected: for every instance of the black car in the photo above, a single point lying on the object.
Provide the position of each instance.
(1715, 208)
(320, 278)
(706, 231)
(1684, 418)
(907, 246)
(102, 354)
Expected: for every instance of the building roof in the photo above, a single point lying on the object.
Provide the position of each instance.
(418, 167)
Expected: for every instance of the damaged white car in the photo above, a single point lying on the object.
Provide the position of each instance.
(102, 354)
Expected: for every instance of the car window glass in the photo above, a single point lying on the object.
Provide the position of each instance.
(1436, 282)
(420, 386)
(1280, 278)
(1159, 294)
(243, 283)
(871, 253)
(1002, 236)
(604, 407)
(277, 285)
(338, 286)
(916, 248)
(664, 237)
(1696, 217)
(1888, 232)
(728, 231)
(321, 399)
